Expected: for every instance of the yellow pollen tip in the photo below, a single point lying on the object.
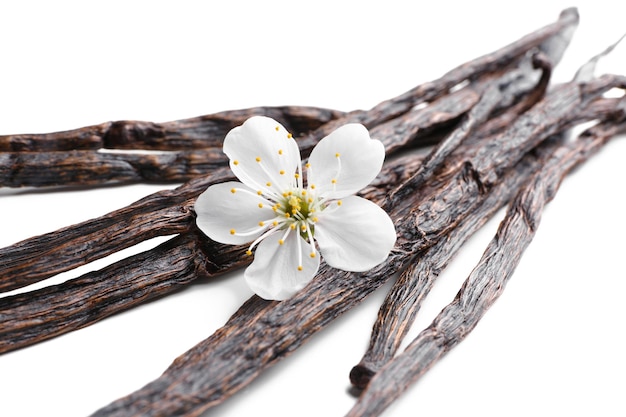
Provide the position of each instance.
(312, 255)
(248, 252)
(314, 219)
(300, 268)
(232, 231)
(280, 151)
(275, 223)
(339, 202)
(307, 165)
(281, 172)
(337, 155)
(259, 192)
(292, 226)
(261, 223)
(232, 190)
(303, 192)
(235, 162)
(287, 215)
(260, 205)
(258, 159)
(334, 181)
(277, 128)
(280, 242)
(269, 184)
(296, 175)
(289, 135)
(310, 200)
(312, 186)
(303, 228)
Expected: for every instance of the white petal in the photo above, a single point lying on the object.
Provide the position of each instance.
(261, 152)
(359, 156)
(355, 236)
(221, 211)
(274, 274)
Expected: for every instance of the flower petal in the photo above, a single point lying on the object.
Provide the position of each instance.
(345, 161)
(274, 274)
(262, 154)
(355, 236)
(232, 217)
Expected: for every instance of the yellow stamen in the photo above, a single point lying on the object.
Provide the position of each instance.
(292, 226)
(259, 192)
(277, 128)
(261, 223)
(339, 202)
(314, 219)
(260, 205)
(232, 231)
(289, 135)
(303, 228)
(280, 241)
(334, 181)
(248, 252)
(281, 172)
(307, 165)
(275, 223)
(312, 255)
(300, 268)
(232, 190)
(337, 155)
(280, 151)
(310, 200)
(312, 186)
(296, 175)
(287, 215)
(269, 184)
(303, 192)
(258, 159)
(235, 162)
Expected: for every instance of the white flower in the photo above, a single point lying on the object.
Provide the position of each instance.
(283, 217)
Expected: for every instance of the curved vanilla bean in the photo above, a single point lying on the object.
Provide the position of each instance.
(489, 277)
(195, 133)
(96, 295)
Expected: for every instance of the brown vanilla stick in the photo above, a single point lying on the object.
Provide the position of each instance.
(488, 279)
(195, 133)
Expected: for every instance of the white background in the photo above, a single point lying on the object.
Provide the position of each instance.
(552, 345)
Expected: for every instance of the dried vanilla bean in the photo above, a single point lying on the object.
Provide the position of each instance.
(489, 277)
(195, 133)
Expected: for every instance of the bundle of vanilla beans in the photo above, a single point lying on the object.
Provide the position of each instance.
(491, 132)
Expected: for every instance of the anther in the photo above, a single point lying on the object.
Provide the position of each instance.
(289, 135)
(280, 241)
(281, 172)
(235, 162)
(280, 151)
(232, 231)
(258, 159)
(261, 223)
(232, 190)
(277, 128)
(337, 155)
(248, 252)
(260, 205)
(334, 181)
(269, 184)
(259, 192)
(339, 202)
(312, 254)
(300, 268)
